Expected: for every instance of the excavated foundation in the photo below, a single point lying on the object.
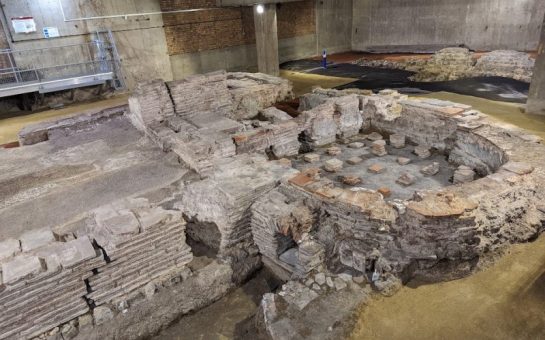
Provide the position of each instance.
(352, 196)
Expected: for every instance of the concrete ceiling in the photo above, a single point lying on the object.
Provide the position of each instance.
(250, 2)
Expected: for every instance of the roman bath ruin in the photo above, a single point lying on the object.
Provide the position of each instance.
(272, 170)
(353, 196)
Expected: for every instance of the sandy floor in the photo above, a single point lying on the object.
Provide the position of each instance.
(303, 82)
(10, 127)
(505, 301)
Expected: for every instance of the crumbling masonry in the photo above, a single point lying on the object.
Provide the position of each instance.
(357, 189)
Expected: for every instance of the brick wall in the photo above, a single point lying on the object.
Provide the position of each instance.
(225, 27)
(296, 19)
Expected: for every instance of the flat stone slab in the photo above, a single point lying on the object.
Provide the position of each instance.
(311, 157)
(356, 145)
(518, 168)
(333, 165)
(422, 151)
(430, 170)
(376, 169)
(378, 148)
(386, 192)
(351, 180)
(123, 224)
(334, 151)
(406, 180)
(9, 248)
(20, 268)
(36, 238)
(397, 141)
(403, 160)
(354, 160)
(374, 136)
(76, 251)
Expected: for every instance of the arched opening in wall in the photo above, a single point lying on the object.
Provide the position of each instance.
(287, 252)
(204, 238)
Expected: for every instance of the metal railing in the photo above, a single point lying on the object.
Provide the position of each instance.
(61, 67)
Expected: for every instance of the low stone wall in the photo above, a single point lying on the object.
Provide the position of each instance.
(98, 264)
(36, 133)
(457, 63)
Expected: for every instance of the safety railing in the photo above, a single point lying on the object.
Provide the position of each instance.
(61, 67)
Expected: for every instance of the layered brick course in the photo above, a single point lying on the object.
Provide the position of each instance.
(217, 28)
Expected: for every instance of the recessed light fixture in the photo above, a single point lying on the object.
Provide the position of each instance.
(260, 9)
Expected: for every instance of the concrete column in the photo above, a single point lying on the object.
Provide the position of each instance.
(536, 97)
(266, 36)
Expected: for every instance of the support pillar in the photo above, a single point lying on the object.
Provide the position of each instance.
(536, 97)
(266, 36)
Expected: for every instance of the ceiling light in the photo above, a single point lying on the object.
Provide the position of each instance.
(260, 9)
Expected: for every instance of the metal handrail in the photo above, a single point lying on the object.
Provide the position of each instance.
(83, 63)
(63, 65)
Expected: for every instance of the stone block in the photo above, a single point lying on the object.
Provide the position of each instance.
(354, 160)
(386, 192)
(333, 165)
(397, 141)
(9, 248)
(334, 151)
(21, 267)
(356, 145)
(320, 278)
(36, 238)
(378, 148)
(123, 224)
(339, 284)
(374, 136)
(406, 180)
(422, 151)
(430, 170)
(403, 160)
(351, 180)
(77, 251)
(518, 168)
(311, 157)
(102, 314)
(275, 115)
(376, 169)
(463, 174)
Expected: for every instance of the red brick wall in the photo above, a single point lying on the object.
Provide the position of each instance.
(225, 27)
(296, 19)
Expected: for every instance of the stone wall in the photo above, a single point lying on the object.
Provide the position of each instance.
(94, 265)
(457, 63)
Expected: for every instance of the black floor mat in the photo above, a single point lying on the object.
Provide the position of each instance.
(376, 79)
